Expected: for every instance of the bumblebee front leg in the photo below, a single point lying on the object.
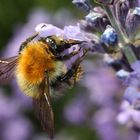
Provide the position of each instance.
(75, 66)
(69, 74)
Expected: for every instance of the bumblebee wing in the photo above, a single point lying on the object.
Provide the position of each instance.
(43, 109)
(7, 68)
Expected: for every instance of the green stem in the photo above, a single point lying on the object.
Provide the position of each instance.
(129, 54)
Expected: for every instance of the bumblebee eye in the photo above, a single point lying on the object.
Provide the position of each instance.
(51, 43)
(53, 47)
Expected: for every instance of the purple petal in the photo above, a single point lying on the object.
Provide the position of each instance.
(74, 32)
(131, 94)
(136, 66)
(46, 30)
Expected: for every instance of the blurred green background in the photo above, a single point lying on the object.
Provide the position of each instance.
(13, 12)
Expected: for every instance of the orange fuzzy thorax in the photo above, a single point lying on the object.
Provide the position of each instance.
(34, 60)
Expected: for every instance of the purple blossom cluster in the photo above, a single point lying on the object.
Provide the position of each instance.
(115, 25)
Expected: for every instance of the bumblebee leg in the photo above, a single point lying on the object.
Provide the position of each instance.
(76, 76)
(67, 56)
(29, 39)
(68, 75)
(73, 69)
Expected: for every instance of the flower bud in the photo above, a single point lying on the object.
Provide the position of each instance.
(122, 8)
(109, 37)
(133, 22)
(83, 4)
(83, 24)
(97, 19)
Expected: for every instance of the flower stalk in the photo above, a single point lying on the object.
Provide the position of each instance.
(129, 54)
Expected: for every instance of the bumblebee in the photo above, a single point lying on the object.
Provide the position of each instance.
(39, 69)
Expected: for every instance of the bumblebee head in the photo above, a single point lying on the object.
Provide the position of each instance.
(58, 44)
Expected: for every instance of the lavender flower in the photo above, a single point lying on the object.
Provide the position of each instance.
(129, 115)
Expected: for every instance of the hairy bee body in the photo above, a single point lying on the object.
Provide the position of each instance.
(34, 60)
(40, 70)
